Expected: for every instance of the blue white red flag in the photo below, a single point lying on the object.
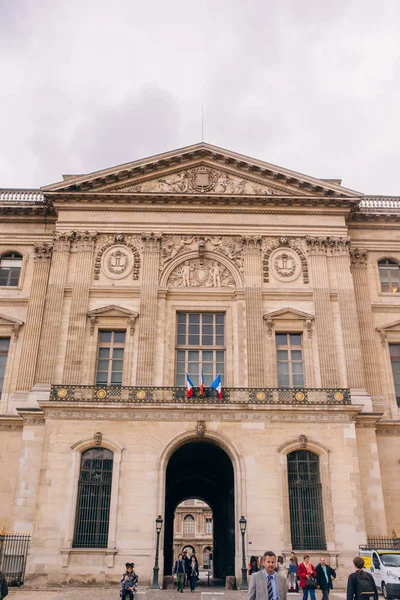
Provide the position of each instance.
(189, 386)
(202, 383)
(216, 384)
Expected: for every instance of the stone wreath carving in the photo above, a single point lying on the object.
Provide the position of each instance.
(118, 255)
(174, 245)
(282, 258)
(201, 273)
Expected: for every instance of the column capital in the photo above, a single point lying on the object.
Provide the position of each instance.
(334, 246)
(43, 252)
(151, 242)
(85, 240)
(359, 258)
(62, 241)
(251, 244)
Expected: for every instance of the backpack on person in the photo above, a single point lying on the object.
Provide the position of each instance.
(365, 584)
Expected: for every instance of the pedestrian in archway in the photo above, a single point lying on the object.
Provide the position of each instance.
(179, 571)
(193, 573)
(129, 582)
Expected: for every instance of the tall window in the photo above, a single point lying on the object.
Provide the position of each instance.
(389, 274)
(4, 345)
(200, 345)
(289, 351)
(188, 525)
(110, 357)
(305, 501)
(93, 503)
(10, 269)
(395, 359)
(209, 526)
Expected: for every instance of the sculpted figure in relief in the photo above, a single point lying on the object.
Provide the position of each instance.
(201, 273)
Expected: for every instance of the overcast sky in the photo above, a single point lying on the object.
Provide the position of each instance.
(310, 85)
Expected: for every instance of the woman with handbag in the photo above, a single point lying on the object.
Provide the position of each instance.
(308, 582)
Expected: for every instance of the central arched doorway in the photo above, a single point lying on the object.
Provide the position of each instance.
(201, 469)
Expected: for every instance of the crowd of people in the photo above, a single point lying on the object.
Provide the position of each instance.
(187, 571)
(271, 579)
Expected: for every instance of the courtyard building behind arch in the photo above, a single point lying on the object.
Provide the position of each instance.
(116, 284)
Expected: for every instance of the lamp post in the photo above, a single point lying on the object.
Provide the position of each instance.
(243, 523)
(155, 584)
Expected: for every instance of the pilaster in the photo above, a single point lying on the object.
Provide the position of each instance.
(254, 310)
(317, 249)
(151, 245)
(53, 308)
(79, 307)
(34, 317)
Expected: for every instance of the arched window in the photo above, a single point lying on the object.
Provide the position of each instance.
(10, 269)
(93, 503)
(188, 525)
(389, 274)
(305, 501)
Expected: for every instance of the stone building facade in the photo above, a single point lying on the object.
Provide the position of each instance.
(116, 284)
(193, 531)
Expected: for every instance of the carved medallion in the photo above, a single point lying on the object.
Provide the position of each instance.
(117, 262)
(285, 264)
(201, 273)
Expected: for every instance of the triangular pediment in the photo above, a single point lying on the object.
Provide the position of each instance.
(393, 326)
(112, 310)
(201, 169)
(288, 314)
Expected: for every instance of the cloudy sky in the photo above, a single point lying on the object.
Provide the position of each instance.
(310, 85)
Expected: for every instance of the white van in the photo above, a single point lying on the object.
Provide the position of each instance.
(384, 566)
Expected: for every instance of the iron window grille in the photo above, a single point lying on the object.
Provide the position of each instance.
(110, 357)
(289, 353)
(93, 502)
(200, 345)
(389, 275)
(10, 269)
(305, 501)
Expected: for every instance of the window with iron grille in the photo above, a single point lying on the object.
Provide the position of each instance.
(188, 525)
(10, 269)
(93, 502)
(389, 274)
(289, 353)
(305, 501)
(110, 357)
(200, 345)
(4, 345)
(395, 360)
(209, 526)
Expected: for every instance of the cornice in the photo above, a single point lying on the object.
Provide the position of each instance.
(368, 420)
(10, 423)
(388, 428)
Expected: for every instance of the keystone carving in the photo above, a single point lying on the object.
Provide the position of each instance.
(200, 428)
(98, 438)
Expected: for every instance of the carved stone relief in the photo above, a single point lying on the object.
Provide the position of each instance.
(201, 273)
(117, 255)
(328, 245)
(286, 258)
(204, 180)
(174, 245)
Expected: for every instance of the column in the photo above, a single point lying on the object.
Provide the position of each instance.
(148, 308)
(254, 310)
(370, 350)
(323, 312)
(34, 317)
(75, 350)
(53, 309)
(348, 313)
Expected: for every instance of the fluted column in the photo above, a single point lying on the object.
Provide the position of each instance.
(34, 317)
(254, 310)
(339, 248)
(359, 270)
(79, 307)
(148, 308)
(317, 248)
(53, 309)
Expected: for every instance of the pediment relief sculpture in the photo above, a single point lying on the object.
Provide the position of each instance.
(179, 245)
(201, 180)
(117, 256)
(199, 272)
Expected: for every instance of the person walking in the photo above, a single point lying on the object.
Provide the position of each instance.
(3, 586)
(293, 556)
(292, 576)
(307, 573)
(128, 582)
(280, 566)
(361, 585)
(180, 570)
(267, 584)
(325, 576)
(193, 573)
(253, 565)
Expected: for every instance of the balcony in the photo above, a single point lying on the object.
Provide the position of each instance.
(177, 395)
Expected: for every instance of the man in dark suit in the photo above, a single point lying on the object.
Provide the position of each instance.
(325, 575)
(267, 584)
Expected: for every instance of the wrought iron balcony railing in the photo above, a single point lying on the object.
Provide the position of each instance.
(177, 395)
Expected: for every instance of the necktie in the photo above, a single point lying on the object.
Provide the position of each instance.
(269, 587)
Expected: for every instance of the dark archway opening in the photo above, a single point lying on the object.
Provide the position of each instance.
(201, 469)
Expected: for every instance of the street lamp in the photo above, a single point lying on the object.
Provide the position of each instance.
(243, 523)
(155, 585)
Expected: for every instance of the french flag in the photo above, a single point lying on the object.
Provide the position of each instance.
(202, 383)
(189, 386)
(216, 384)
